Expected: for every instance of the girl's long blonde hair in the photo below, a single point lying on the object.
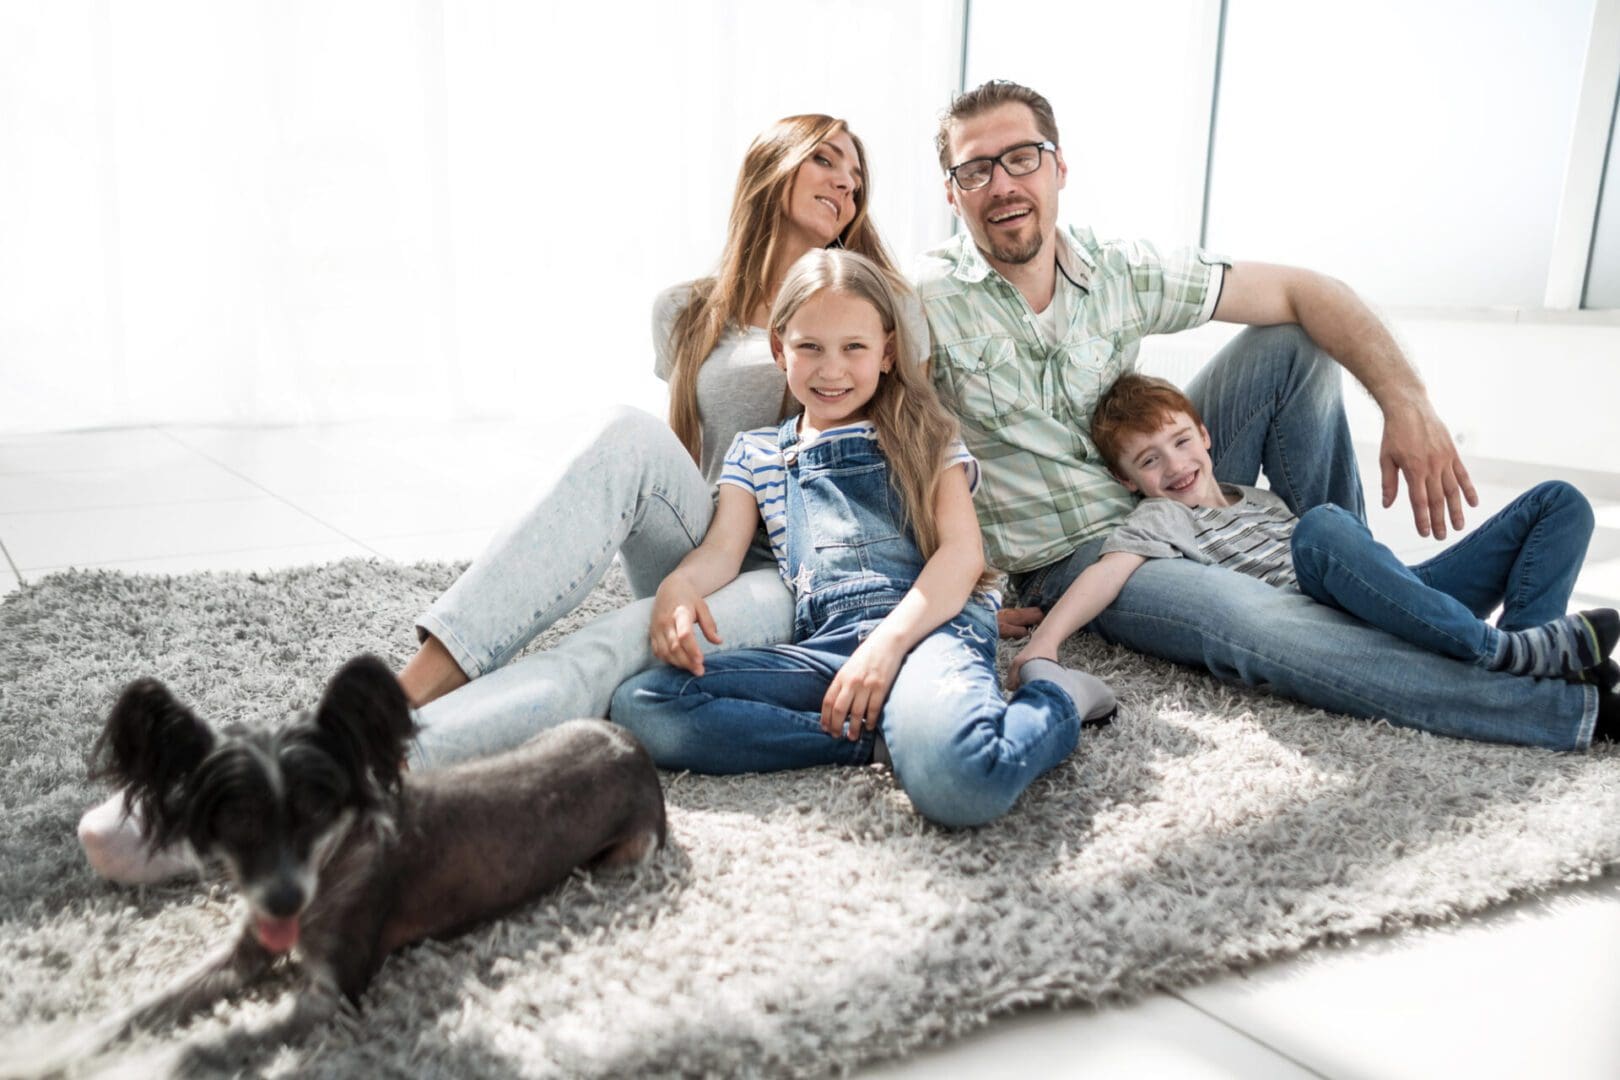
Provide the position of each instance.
(741, 286)
(913, 429)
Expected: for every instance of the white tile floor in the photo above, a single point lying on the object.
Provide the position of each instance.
(1529, 990)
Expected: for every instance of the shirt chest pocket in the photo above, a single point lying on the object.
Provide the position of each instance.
(1081, 372)
(987, 380)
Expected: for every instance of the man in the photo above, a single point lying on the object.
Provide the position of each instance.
(1031, 323)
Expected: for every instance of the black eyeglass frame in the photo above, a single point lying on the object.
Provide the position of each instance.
(1001, 159)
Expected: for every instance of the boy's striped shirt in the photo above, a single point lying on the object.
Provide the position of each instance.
(1254, 536)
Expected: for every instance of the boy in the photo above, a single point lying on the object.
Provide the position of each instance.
(1525, 558)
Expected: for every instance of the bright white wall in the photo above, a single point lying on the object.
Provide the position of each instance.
(293, 210)
(1130, 86)
(290, 210)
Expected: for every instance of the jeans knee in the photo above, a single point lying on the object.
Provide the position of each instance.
(1320, 529)
(644, 711)
(949, 790)
(1566, 501)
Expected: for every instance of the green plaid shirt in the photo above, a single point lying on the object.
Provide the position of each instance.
(1026, 407)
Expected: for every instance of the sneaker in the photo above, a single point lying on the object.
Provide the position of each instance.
(115, 849)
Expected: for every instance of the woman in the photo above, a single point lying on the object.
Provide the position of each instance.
(637, 488)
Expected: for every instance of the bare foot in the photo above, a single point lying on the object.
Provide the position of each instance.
(431, 673)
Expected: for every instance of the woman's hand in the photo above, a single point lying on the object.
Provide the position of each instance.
(678, 607)
(858, 690)
(1037, 649)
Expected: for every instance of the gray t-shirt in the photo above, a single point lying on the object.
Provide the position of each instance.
(1253, 536)
(739, 387)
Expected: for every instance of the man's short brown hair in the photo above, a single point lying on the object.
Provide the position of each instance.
(982, 99)
(1135, 405)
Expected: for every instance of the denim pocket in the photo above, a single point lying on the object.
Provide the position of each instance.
(851, 506)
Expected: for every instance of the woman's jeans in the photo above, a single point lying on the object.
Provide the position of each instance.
(1524, 558)
(1271, 399)
(961, 753)
(630, 489)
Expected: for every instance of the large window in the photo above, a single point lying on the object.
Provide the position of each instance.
(1603, 280)
(1130, 85)
(1416, 150)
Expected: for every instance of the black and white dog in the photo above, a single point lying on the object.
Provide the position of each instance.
(342, 857)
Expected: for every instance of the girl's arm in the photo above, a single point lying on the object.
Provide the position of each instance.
(858, 691)
(679, 603)
(1097, 586)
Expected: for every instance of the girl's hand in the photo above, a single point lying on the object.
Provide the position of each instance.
(676, 609)
(860, 687)
(1035, 650)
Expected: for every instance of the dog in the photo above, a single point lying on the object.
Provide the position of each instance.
(343, 857)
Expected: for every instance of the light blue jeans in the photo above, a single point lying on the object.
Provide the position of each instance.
(1271, 399)
(628, 489)
(1525, 558)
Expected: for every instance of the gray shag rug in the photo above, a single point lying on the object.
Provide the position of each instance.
(798, 924)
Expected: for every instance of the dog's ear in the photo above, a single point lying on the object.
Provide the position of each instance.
(149, 747)
(365, 716)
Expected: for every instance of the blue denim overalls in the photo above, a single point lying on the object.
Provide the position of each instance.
(960, 751)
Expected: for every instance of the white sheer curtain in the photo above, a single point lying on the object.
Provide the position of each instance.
(291, 210)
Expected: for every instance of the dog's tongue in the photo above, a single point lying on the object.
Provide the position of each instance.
(277, 935)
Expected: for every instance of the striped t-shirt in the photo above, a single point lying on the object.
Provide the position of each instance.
(1253, 536)
(754, 463)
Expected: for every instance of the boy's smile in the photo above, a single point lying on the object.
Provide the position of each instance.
(1172, 462)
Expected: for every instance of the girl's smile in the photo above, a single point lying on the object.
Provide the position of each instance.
(834, 350)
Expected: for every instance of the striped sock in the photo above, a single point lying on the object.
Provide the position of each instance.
(1564, 647)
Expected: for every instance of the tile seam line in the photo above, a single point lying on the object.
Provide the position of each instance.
(206, 456)
(1247, 1035)
(18, 574)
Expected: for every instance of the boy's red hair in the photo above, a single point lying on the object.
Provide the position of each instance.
(1135, 405)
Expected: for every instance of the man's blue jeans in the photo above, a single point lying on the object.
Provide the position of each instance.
(1525, 558)
(961, 753)
(1271, 399)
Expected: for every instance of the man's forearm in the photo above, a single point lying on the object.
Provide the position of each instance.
(1348, 330)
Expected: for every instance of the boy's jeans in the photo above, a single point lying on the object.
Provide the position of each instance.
(1271, 398)
(1525, 558)
(630, 489)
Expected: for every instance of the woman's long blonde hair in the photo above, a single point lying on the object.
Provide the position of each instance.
(741, 285)
(913, 429)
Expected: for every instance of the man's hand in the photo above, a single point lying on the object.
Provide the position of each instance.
(1015, 622)
(676, 609)
(1418, 446)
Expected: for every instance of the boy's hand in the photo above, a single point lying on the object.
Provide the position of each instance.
(858, 690)
(676, 609)
(1014, 623)
(1035, 650)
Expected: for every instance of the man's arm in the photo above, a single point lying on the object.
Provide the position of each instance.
(1415, 442)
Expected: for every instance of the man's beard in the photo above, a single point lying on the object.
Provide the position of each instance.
(1017, 252)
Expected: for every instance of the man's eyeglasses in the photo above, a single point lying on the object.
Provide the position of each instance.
(1021, 160)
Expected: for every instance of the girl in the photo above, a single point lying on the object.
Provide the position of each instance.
(867, 501)
(635, 488)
